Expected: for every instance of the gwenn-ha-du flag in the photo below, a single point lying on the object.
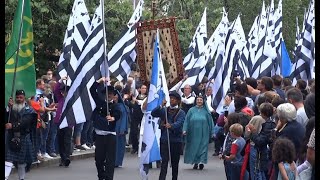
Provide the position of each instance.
(74, 39)
(303, 68)
(123, 54)
(78, 105)
(158, 91)
(25, 72)
(198, 42)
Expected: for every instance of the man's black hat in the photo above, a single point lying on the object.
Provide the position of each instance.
(175, 94)
(20, 92)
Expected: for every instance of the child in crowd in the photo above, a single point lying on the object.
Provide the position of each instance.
(283, 153)
(236, 131)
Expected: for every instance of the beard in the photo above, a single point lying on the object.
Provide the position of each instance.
(18, 106)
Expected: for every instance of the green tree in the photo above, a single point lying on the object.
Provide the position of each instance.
(50, 20)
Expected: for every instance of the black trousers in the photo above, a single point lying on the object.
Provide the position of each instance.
(134, 132)
(105, 154)
(175, 148)
(64, 141)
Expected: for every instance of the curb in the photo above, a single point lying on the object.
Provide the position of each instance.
(75, 156)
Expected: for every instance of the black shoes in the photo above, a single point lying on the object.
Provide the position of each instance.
(134, 151)
(65, 163)
(215, 154)
(195, 166)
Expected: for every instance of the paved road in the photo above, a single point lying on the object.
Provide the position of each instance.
(85, 169)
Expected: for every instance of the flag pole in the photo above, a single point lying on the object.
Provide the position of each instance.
(105, 55)
(165, 111)
(17, 58)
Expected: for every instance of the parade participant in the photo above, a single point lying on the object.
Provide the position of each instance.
(173, 123)
(121, 128)
(198, 129)
(295, 97)
(21, 128)
(104, 119)
(64, 135)
(187, 96)
(136, 117)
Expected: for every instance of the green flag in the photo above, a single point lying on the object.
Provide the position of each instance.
(25, 72)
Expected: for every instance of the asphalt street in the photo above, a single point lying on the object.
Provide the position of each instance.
(84, 169)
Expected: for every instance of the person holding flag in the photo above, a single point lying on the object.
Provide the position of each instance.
(171, 119)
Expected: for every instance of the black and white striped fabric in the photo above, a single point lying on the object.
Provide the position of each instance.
(259, 57)
(75, 36)
(78, 105)
(253, 41)
(123, 53)
(197, 44)
(222, 81)
(240, 38)
(297, 38)
(222, 33)
(303, 68)
(277, 38)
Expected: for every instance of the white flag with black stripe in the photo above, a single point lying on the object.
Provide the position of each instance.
(221, 37)
(303, 67)
(253, 41)
(277, 38)
(256, 69)
(78, 105)
(123, 53)
(222, 81)
(197, 44)
(75, 36)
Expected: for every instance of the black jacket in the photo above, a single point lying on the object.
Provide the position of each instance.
(100, 112)
(261, 141)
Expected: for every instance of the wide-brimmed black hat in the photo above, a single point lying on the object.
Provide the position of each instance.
(20, 92)
(175, 94)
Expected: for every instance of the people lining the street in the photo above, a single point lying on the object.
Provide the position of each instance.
(274, 117)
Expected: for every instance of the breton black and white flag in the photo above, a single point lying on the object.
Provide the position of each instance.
(259, 58)
(75, 36)
(123, 54)
(197, 44)
(297, 38)
(277, 38)
(303, 68)
(239, 65)
(253, 41)
(78, 105)
(222, 30)
(230, 54)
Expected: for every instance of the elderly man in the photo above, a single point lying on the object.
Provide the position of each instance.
(21, 124)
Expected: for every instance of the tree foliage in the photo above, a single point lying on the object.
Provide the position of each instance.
(50, 18)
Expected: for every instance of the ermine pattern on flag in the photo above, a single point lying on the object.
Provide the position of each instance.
(123, 53)
(78, 105)
(198, 42)
(75, 36)
(304, 64)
